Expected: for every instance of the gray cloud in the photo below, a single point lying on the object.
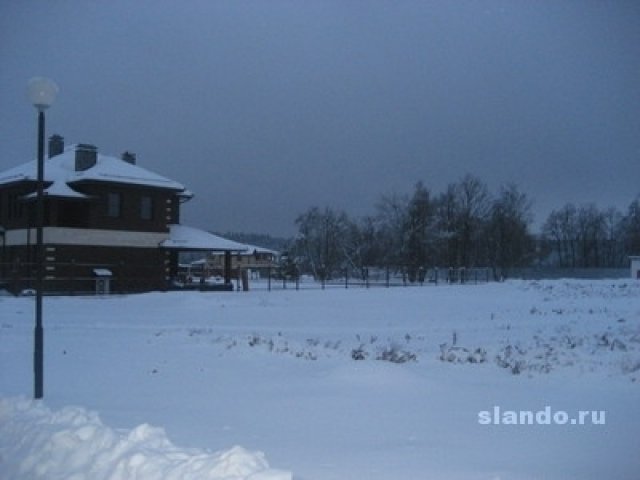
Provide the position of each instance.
(266, 108)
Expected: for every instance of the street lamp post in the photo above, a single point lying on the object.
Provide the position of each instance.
(4, 256)
(42, 93)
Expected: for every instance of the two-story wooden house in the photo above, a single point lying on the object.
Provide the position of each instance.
(104, 217)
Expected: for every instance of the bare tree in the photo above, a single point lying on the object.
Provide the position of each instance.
(419, 233)
(390, 220)
(447, 241)
(322, 240)
(560, 228)
(467, 205)
(612, 250)
(631, 228)
(464, 227)
(586, 237)
(510, 242)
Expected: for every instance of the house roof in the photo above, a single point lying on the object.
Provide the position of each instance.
(59, 189)
(255, 248)
(61, 175)
(251, 249)
(182, 237)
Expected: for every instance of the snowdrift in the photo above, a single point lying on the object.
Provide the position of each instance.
(73, 444)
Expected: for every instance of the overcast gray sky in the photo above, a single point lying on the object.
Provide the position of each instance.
(265, 108)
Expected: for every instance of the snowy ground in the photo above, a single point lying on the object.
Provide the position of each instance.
(334, 384)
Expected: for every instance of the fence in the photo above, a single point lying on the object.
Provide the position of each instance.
(80, 278)
(272, 278)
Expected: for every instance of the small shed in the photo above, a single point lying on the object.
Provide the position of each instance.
(635, 266)
(103, 280)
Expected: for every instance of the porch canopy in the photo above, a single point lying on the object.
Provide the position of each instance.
(190, 239)
(186, 238)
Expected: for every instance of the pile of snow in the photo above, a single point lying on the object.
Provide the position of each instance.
(73, 444)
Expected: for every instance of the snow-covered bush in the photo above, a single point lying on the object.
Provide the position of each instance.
(395, 354)
(456, 354)
(359, 353)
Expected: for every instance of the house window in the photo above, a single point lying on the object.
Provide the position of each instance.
(114, 205)
(146, 208)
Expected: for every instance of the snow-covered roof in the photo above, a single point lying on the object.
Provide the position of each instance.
(102, 272)
(182, 237)
(255, 248)
(251, 249)
(60, 172)
(59, 189)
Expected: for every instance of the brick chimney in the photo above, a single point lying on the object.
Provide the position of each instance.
(129, 157)
(56, 145)
(86, 156)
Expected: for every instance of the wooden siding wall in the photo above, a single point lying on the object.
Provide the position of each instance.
(70, 269)
(15, 212)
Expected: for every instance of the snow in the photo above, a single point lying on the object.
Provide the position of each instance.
(59, 189)
(184, 238)
(102, 272)
(73, 443)
(329, 384)
(60, 171)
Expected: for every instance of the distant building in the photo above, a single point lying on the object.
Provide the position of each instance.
(253, 259)
(106, 218)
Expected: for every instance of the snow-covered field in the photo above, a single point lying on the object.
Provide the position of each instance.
(320, 385)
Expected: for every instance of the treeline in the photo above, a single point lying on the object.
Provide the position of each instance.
(586, 236)
(464, 226)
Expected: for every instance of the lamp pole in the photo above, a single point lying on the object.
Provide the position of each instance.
(42, 93)
(4, 256)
